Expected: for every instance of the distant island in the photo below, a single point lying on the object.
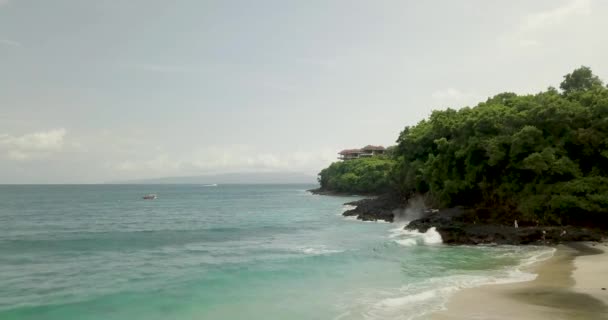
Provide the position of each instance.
(538, 162)
(230, 178)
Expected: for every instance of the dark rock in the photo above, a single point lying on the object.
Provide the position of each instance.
(325, 192)
(467, 226)
(455, 228)
(378, 208)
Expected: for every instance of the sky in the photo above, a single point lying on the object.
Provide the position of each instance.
(108, 90)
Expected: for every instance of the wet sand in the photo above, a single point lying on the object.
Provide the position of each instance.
(568, 286)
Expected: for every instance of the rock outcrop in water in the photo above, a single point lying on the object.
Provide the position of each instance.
(378, 208)
(467, 226)
(456, 228)
(326, 192)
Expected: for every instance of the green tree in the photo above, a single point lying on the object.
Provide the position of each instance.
(579, 80)
(365, 175)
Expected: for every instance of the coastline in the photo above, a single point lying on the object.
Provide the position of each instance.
(325, 192)
(461, 225)
(568, 286)
(572, 284)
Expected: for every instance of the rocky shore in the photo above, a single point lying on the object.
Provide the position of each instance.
(465, 226)
(324, 192)
(456, 230)
(381, 207)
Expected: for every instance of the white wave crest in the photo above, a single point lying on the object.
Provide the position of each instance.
(347, 207)
(319, 250)
(410, 299)
(407, 242)
(398, 230)
(413, 237)
(417, 300)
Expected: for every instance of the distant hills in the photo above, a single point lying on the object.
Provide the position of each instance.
(230, 178)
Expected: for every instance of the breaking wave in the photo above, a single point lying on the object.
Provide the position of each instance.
(417, 300)
(318, 250)
(410, 238)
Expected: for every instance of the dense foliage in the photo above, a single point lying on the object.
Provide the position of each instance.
(541, 158)
(365, 175)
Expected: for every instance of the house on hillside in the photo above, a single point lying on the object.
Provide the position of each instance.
(367, 151)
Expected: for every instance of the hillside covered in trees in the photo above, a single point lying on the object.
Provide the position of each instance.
(364, 175)
(540, 158)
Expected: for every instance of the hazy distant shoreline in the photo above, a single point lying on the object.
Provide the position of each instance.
(229, 178)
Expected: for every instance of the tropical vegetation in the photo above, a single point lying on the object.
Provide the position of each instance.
(364, 175)
(542, 158)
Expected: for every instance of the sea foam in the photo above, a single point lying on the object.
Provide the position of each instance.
(318, 250)
(416, 300)
(413, 237)
(347, 207)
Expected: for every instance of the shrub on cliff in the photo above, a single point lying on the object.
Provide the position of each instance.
(365, 175)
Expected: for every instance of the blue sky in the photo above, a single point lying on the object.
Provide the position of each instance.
(94, 91)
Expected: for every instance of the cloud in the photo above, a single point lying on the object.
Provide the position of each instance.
(452, 95)
(317, 62)
(32, 145)
(165, 68)
(455, 98)
(10, 43)
(225, 159)
(535, 26)
(557, 15)
(527, 43)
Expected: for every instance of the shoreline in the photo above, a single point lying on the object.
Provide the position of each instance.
(463, 225)
(323, 192)
(568, 286)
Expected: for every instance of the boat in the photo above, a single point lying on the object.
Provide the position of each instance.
(150, 196)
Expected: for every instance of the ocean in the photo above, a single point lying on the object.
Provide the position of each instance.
(225, 252)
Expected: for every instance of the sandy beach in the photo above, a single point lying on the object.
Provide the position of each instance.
(573, 284)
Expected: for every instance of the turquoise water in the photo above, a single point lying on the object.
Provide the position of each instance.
(223, 252)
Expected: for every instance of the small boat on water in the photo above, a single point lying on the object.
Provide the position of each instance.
(150, 196)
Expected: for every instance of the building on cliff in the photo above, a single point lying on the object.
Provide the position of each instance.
(367, 151)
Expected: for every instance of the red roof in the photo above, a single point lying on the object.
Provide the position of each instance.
(370, 147)
(349, 151)
(362, 150)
